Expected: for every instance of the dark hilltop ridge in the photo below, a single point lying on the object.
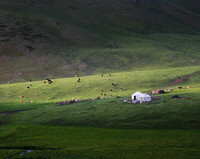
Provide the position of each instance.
(58, 38)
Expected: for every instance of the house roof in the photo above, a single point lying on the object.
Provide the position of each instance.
(139, 94)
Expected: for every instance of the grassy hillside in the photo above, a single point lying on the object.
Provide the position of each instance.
(106, 128)
(44, 97)
(61, 39)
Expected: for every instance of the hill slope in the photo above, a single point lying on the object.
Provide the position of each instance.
(40, 38)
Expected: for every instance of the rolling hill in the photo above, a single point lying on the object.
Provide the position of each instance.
(57, 38)
(107, 128)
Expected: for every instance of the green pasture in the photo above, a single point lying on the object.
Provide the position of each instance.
(92, 143)
(157, 42)
(106, 128)
(90, 86)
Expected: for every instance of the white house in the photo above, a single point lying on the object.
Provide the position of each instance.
(141, 97)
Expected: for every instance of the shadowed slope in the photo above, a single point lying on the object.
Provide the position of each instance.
(62, 38)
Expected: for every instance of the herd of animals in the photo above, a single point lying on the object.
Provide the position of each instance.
(49, 82)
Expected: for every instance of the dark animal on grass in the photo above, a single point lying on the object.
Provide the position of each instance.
(111, 90)
(48, 82)
(180, 87)
(28, 87)
(31, 85)
(104, 94)
(101, 75)
(113, 84)
(176, 96)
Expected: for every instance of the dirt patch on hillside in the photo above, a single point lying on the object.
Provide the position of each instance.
(181, 80)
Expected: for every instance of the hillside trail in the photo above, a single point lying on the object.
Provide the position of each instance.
(181, 80)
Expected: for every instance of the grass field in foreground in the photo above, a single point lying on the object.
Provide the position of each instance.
(107, 128)
(97, 143)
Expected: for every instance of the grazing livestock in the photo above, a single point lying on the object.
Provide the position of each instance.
(110, 75)
(154, 92)
(48, 82)
(28, 87)
(101, 93)
(180, 87)
(120, 89)
(132, 74)
(101, 75)
(111, 90)
(21, 96)
(101, 90)
(76, 75)
(30, 80)
(170, 89)
(108, 79)
(189, 87)
(161, 91)
(157, 92)
(113, 84)
(104, 94)
(31, 85)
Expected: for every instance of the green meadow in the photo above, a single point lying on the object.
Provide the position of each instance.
(106, 128)
(144, 45)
